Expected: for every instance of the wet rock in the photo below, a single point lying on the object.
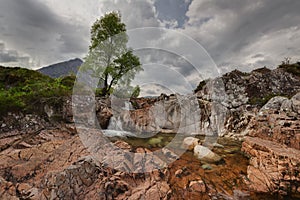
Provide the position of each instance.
(206, 155)
(189, 143)
(155, 141)
(206, 167)
(104, 115)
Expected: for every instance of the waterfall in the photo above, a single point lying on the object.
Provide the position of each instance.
(115, 128)
(115, 123)
(127, 106)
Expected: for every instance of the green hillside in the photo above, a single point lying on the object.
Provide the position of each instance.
(24, 89)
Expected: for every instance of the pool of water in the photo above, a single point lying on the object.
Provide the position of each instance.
(227, 179)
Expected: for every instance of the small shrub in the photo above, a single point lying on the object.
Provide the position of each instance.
(261, 101)
(291, 68)
(200, 86)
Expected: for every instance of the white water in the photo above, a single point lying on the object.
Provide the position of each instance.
(117, 133)
(115, 123)
(115, 128)
(128, 106)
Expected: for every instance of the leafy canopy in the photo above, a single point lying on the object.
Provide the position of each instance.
(109, 59)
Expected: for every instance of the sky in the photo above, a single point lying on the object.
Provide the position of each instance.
(230, 34)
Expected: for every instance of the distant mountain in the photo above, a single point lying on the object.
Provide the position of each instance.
(62, 69)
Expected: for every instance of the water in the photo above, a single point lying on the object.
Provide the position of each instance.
(117, 133)
(228, 178)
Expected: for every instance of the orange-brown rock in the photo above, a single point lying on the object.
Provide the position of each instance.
(273, 167)
(278, 121)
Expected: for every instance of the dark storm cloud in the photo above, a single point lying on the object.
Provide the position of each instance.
(11, 56)
(31, 27)
(6, 58)
(237, 25)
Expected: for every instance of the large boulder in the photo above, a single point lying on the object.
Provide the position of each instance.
(296, 103)
(206, 155)
(189, 143)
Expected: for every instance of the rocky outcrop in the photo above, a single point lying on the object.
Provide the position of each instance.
(273, 168)
(278, 121)
(50, 116)
(273, 147)
(223, 106)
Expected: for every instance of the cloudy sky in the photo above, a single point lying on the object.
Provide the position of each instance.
(242, 34)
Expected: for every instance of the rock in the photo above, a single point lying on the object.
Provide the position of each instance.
(240, 195)
(189, 143)
(217, 145)
(179, 173)
(206, 155)
(273, 104)
(104, 115)
(123, 145)
(166, 131)
(279, 123)
(197, 186)
(296, 103)
(269, 163)
(158, 191)
(206, 167)
(7, 190)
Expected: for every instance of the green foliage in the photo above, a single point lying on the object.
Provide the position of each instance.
(100, 92)
(291, 68)
(106, 27)
(23, 89)
(262, 101)
(136, 92)
(68, 81)
(109, 59)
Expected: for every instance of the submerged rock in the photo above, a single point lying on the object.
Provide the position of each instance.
(206, 167)
(155, 141)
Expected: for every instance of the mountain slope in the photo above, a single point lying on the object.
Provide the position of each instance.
(62, 69)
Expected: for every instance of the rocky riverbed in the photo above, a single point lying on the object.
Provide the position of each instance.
(55, 164)
(251, 150)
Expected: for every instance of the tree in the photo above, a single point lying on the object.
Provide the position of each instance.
(109, 59)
